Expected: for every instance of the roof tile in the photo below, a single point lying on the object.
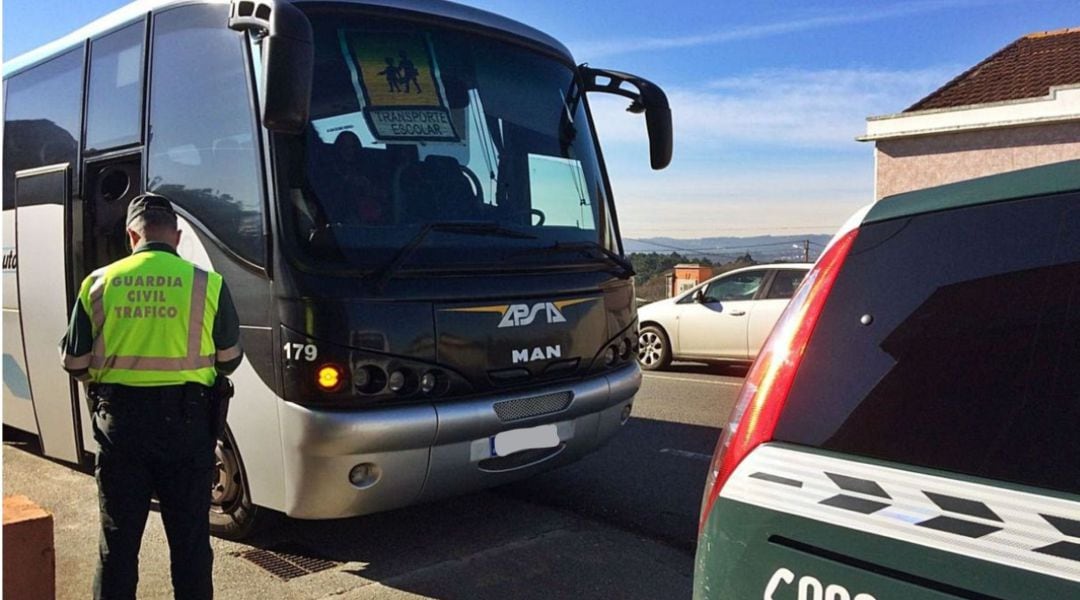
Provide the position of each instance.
(1026, 68)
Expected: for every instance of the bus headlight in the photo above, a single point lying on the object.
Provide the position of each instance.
(369, 379)
(428, 382)
(340, 376)
(401, 381)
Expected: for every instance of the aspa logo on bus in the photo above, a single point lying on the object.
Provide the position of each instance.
(519, 315)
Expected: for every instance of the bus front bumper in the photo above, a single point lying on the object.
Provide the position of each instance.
(406, 454)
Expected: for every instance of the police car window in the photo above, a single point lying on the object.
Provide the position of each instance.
(202, 152)
(969, 363)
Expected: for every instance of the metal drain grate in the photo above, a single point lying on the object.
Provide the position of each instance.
(286, 565)
(523, 408)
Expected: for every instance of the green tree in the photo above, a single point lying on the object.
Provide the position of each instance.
(650, 264)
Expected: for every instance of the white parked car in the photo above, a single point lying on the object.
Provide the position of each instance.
(725, 319)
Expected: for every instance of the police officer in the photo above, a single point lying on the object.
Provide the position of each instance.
(149, 334)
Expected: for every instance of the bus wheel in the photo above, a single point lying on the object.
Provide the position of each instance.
(232, 515)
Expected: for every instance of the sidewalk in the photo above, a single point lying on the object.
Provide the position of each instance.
(477, 546)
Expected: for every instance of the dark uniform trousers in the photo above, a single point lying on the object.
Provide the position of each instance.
(154, 440)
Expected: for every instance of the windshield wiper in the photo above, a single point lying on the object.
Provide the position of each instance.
(586, 247)
(380, 276)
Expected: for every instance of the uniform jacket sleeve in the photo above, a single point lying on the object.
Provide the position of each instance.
(77, 343)
(227, 334)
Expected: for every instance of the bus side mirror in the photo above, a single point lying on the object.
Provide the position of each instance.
(288, 56)
(645, 97)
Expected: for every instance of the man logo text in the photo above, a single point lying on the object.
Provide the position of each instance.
(519, 315)
(546, 353)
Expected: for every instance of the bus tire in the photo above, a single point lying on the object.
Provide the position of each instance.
(232, 514)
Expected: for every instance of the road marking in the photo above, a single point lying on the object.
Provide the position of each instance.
(686, 454)
(731, 383)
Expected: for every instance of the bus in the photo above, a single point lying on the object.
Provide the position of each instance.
(409, 203)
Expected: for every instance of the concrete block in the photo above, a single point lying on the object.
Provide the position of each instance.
(29, 559)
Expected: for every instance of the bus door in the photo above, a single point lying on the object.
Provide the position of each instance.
(42, 202)
(109, 184)
(99, 233)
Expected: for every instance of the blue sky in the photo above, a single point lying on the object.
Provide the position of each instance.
(767, 95)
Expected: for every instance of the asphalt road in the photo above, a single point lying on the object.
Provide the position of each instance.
(649, 478)
(619, 523)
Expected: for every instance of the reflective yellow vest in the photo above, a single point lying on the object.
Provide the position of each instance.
(153, 320)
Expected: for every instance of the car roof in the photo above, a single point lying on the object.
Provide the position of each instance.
(1037, 181)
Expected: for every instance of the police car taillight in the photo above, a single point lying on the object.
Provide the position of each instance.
(766, 388)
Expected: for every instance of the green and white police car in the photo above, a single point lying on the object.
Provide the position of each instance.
(911, 429)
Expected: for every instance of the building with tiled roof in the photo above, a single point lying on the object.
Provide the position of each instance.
(1018, 108)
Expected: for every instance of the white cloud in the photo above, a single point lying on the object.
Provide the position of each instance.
(765, 152)
(591, 50)
(825, 108)
(741, 200)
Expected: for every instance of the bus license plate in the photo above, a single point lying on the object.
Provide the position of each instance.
(516, 440)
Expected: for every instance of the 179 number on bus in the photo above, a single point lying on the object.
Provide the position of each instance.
(297, 351)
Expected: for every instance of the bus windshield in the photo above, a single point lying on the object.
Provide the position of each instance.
(413, 126)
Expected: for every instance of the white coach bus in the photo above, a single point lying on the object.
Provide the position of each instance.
(408, 202)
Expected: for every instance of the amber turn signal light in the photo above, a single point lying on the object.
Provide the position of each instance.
(328, 378)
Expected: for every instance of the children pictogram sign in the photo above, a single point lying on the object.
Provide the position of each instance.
(399, 82)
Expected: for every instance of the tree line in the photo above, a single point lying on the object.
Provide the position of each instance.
(650, 264)
(650, 268)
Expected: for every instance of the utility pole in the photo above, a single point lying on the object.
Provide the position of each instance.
(806, 250)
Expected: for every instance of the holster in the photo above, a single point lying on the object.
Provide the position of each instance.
(98, 394)
(220, 394)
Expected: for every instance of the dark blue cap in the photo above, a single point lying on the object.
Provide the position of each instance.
(145, 202)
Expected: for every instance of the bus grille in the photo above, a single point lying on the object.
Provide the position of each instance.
(523, 408)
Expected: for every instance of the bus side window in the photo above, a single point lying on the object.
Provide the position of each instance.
(114, 103)
(42, 117)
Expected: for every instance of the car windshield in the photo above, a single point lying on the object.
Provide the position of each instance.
(414, 125)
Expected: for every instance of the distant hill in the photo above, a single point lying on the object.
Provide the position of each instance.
(764, 248)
